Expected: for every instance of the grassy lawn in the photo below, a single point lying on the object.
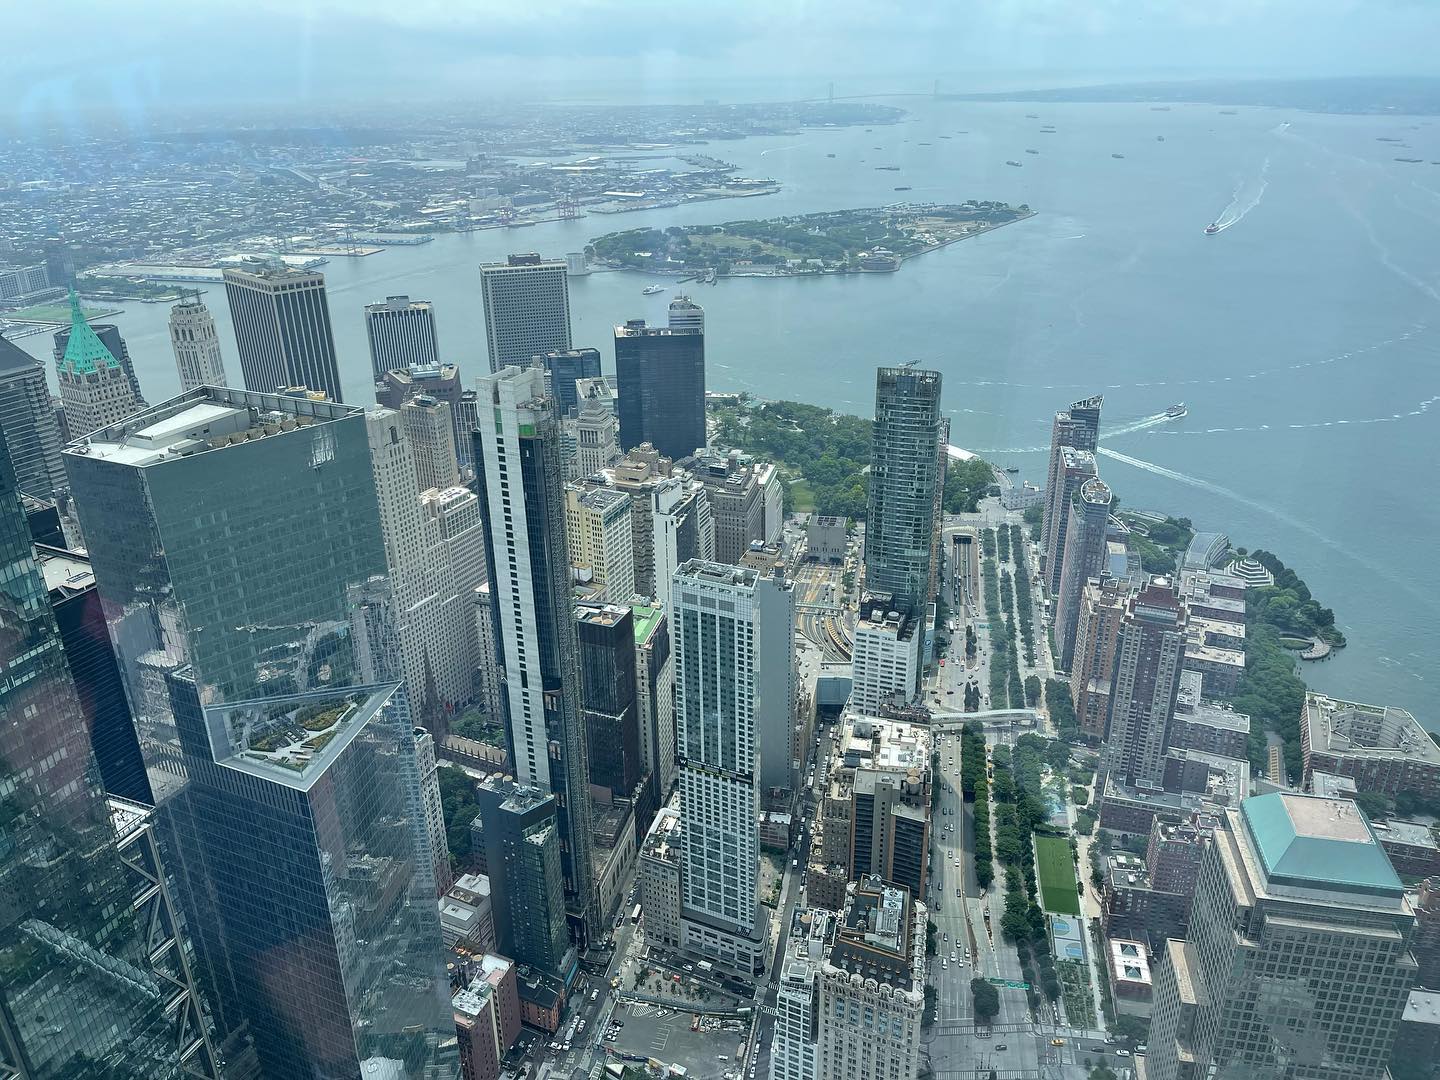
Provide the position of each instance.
(57, 313)
(802, 497)
(1057, 875)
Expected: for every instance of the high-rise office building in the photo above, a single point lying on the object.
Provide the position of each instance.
(597, 428)
(885, 771)
(1149, 651)
(1297, 963)
(1077, 468)
(401, 333)
(885, 659)
(655, 695)
(735, 487)
(82, 993)
(775, 683)
(527, 309)
(94, 671)
(109, 335)
(522, 860)
(282, 329)
(718, 649)
(27, 416)
(610, 704)
(685, 314)
(281, 785)
(196, 344)
(901, 519)
(517, 477)
(660, 377)
(1078, 427)
(875, 968)
(563, 368)
(431, 430)
(1084, 558)
(1092, 667)
(438, 381)
(599, 539)
(94, 387)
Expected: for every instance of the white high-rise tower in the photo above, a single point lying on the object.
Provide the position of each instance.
(196, 345)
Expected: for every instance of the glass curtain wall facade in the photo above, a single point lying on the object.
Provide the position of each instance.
(78, 998)
(225, 529)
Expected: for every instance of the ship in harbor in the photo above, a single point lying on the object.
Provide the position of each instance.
(1016, 164)
(1177, 411)
(1212, 228)
(651, 290)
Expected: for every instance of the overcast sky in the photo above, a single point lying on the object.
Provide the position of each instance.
(137, 54)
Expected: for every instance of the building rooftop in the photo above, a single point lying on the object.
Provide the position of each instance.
(662, 841)
(1422, 1007)
(601, 614)
(67, 572)
(1350, 729)
(1305, 840)
(702, 571)
(1191, 707)
(1128, 961)
(1411, 833)
(84, 352)
(646, 618)
(207, 418)
(874, 938)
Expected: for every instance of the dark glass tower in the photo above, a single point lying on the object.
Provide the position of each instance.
(609, 705)
(282, 329)
(79, 999)
(227, 531)
(27, 417)
(562, 368)
(660, 375)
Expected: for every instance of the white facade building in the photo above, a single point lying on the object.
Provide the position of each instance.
(793, 1050)
(659, 874)
(432, 434)
(598, 533)
(718, 646)
(196, 345)
(527, 308)
(884, 656)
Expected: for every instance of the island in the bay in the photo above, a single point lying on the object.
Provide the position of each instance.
(873, 240)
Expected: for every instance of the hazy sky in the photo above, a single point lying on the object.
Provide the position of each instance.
(137, 54)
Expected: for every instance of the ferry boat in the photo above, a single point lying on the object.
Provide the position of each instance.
(651, 290)
(1014, 163)
(1212, 228)
(1176, 411)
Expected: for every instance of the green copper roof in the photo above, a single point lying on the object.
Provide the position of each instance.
(84, 352)
(1320, 843)
(644, 618)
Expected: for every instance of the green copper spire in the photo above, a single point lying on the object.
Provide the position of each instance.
(84, 352)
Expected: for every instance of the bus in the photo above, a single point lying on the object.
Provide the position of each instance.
(635, 915)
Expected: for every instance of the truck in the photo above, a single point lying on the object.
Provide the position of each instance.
(706, 966)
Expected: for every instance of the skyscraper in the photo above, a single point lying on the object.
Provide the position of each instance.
(685, 314)
(900, 520)
(1077, 427)
(797, 997)
(196, 345)
(660, 377)
(527, 308)
(718, 647)
(1092, 667)
(282, 329)
(401, 333)
(109, 335)
(431, 430)
(599, 540)
(27, 417)
(1149, 651)
(562, 368)
(610, 705)
(522, 859)
(775, 677)
(93, 385)
(1077, 467)
(281, 785)
(1297, 960)
(441, 382)
(655, 695)
(79, 995)
(1089, 513)
(432, 809)
(517, 467)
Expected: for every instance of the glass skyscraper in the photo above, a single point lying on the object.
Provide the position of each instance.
(225, 529)
(79, 997)
(660, 375)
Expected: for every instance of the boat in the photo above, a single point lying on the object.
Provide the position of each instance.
(1012, 468)
(1212, 228)
(1176, 411)
(1015, 163)
(1159, 138)
(651, 290)
(1032, 151)
(829, 155)
(1118, 157)
(903, 187)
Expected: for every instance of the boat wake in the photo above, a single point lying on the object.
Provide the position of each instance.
(1246, 197)
(1136, 425)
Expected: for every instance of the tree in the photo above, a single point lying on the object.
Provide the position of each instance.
(986, 998)
(1373, 803)
(1032, 690)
